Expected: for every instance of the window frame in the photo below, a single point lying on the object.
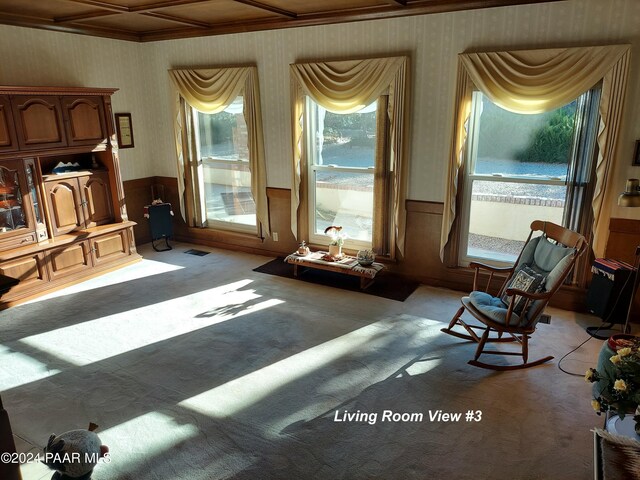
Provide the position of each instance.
(204, 162)
(583, 149)
(311, 168)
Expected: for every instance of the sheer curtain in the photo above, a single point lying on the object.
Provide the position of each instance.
(211, 91)
(535, 81)
(346, 87)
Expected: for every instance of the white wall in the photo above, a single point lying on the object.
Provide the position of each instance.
(140, 70)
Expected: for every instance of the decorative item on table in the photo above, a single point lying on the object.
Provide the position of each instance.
(63, 167)
(617, 383)
(337, 240)
(303, 250)
(366, 257)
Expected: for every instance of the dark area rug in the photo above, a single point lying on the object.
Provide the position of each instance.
(387, 285)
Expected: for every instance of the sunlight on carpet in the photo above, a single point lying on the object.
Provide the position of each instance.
(20, 369)
(111, 335)
(143, 269)
(241, 393)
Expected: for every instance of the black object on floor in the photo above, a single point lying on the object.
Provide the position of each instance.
(387, 285)
(161, 224)
(199, 253)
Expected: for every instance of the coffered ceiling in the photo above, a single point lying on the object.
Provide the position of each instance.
(145, 20)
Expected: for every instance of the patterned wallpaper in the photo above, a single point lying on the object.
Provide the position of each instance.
(432, 41)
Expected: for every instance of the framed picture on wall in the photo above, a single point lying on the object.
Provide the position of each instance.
(124, 130)
(636, 155)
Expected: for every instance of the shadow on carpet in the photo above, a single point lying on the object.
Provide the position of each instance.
(387, 285)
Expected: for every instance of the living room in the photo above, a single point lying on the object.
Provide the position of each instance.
(199, 367)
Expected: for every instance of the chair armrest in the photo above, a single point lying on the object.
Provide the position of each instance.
(530, 295)
(491, 268)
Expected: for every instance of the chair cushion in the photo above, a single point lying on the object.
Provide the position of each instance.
(524, 279)
(492, 307)
(547, 255)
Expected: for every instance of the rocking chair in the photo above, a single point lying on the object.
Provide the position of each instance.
(539, 271)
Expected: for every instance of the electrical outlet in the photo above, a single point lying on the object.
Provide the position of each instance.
(275, 236)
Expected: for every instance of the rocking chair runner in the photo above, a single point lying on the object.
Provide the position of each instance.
(539, 271)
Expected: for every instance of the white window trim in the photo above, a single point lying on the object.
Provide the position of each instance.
(209, 222)
(469, 178)
(312, 168)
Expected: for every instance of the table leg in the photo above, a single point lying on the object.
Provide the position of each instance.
(295, 270)
(366, 282)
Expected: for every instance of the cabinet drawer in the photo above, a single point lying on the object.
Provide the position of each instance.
(30, 270)
(69, 260)
(20, 240)
(108, 248)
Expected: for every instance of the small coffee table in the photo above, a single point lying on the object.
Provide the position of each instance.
(346, 265)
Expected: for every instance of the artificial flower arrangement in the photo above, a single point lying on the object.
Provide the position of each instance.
(617, 385)
(336, 234)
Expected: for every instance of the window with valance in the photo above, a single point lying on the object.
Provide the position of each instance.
(556, 86)
(349, 151)
(220, 149)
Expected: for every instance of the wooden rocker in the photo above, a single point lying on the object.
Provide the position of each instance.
(542, 266)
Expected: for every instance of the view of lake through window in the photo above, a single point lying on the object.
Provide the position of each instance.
(518, 166)
(342, 167)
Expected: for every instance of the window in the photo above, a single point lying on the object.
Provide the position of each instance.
(335, 162)
(344, 158)
(220, 149)
(522, 168)
(224, 153)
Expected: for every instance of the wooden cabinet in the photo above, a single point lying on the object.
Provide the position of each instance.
(29, 269)
(38, 122)
(59, 228)
(17, 225)
(110, 247)
(84, 120)
(8, 139)
(96, 198)
(72, 259)
(79, 201)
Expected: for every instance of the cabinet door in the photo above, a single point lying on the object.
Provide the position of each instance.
(16, 222)
(8, 140)
(110, 247)
(84, 119)
(96, 199)
(30, 270)
(69, 260)
(38, 122)
(64, 204)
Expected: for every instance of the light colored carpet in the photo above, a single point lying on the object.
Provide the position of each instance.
(199, 368)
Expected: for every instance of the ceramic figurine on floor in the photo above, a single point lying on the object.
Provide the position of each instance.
(74, 454)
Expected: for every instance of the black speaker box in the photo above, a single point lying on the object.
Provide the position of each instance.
(609, 298)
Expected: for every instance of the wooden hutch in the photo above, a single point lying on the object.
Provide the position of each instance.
(62, 212)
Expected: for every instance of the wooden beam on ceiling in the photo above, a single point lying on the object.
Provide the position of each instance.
(397, 2)
(103, 5)
(149, 7)
(47, 24)
(110, 9)
(172, 18)
(268, 8)
(344, 16)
